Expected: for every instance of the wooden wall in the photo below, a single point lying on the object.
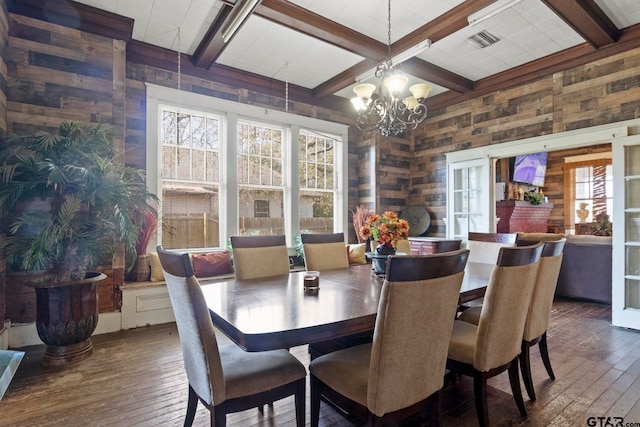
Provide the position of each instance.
(597, 93)
(55, 73)
(4, 34)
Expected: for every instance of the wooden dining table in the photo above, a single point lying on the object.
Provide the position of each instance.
(277, 312)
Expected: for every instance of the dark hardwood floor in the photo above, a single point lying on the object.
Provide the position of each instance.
(136, 378)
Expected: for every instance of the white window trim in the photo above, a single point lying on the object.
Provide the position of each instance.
(233, 111)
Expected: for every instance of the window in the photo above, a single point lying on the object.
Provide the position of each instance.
(222, 168)
(260, 178)
(588, 187)
(190, 179)
(316, 173)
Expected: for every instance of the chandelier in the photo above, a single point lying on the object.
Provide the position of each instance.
(384, 111)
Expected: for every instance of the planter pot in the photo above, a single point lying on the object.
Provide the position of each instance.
(66, 316)
(141, 271)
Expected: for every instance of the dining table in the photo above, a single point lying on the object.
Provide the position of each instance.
(277, 312)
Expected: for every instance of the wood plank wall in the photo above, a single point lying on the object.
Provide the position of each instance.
(4, 40)
(597, 93)
(55, 73)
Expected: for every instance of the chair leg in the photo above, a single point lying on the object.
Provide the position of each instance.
(433, 406)
(192, 404)
(544, 353)
(514, 379)
(300, 398)
(315, 386)
(525, 369)
(218, 417)
(480, 397)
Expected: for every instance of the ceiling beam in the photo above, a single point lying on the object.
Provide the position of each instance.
(427, 71)
(587, 19)
(154, 56)
(212, 45)
(304, 21)
(569, 58)
(441, 27)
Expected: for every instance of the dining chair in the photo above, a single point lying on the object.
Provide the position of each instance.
(259, 256)
(484, 247)
(324, 251)
(224, 378)
(402, 370)
(492, 346)
(535, 328)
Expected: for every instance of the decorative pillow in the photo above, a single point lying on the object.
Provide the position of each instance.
(156, 268)
(211, 264)
(356, 253)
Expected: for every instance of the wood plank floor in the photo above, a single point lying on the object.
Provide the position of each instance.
(136, 378)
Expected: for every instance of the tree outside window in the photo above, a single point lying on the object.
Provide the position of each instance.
(190, 169)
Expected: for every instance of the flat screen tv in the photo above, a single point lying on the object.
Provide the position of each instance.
(530, 169)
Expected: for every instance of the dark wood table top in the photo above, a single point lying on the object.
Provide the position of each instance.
(276, 312)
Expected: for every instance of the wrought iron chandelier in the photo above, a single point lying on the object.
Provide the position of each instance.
(384, 111)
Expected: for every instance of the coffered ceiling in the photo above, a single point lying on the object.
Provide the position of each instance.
(323, 47)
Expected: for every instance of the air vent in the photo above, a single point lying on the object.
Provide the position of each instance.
(483, 39)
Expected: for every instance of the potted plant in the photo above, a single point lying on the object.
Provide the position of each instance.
(68, 203)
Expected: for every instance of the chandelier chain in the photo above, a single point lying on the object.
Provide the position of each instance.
(389, 111)
(389, 30)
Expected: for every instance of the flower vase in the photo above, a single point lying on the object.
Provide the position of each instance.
(380, 263)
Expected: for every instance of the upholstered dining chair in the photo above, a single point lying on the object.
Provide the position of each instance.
(259, 256)
(492, 346)
(225, 379)
(402, 370)
(484, 247)
(324, 251)
(535, 328)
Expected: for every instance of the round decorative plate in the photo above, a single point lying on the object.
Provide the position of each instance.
(418, 219)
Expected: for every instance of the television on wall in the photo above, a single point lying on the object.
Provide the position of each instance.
(530, 169)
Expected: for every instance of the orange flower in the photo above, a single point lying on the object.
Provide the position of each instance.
(387, 229)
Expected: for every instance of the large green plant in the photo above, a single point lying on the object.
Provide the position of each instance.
(66, 201)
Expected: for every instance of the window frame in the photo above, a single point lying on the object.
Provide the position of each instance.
(232, 112)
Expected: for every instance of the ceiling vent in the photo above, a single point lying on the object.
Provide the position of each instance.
(483, 39)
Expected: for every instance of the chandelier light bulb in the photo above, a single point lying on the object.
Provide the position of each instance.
(420, 90)
(364, 90)
(395, 83)
(410, 102)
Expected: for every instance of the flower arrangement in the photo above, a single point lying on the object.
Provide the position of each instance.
(359, 216)
(387, 229)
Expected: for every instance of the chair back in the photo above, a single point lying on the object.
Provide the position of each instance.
(259, 256)
(324, 251)
(485, 247)
(505, 307)
(546, 281)
(197, 335)
(417, 307)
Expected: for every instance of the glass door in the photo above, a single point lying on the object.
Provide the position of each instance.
(468, 199)
(626, 232)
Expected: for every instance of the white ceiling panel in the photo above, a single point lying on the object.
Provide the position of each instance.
(526, 31)
(277, 52)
